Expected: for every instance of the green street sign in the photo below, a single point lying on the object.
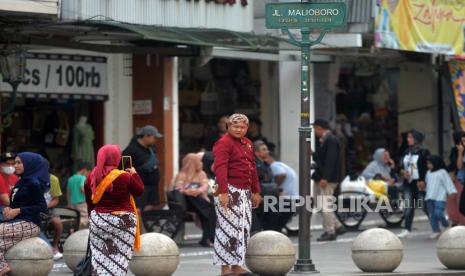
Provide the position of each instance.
(305, 15)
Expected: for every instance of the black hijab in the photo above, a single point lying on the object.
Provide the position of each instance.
(437, 162)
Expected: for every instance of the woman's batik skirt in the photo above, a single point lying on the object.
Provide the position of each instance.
(232, 228)
(111, 240)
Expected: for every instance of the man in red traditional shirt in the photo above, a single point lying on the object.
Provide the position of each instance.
(238, 192)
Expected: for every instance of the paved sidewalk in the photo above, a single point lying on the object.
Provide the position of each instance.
(330, 258)
(334, 258)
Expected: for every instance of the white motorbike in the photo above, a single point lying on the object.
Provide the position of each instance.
(359, 196)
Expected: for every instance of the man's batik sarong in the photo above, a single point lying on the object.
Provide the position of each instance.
(111, 240)
(233, 228)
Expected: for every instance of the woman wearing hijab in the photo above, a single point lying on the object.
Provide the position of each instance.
(414, 171)
(22, 218)
(114, 227)
(380, 167)
(438, 186)
(192, 182)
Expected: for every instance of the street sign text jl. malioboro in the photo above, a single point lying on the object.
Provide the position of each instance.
(301, 15)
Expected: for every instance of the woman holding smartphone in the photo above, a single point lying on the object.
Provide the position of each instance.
(114, 227)
(192, 182)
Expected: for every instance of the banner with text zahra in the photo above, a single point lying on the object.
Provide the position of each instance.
(430, 26)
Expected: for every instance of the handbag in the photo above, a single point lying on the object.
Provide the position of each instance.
(84, 268)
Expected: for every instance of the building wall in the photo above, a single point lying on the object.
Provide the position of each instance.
(289, 110)
(155, 79)
(118, 108)
(42, 7)
(270, 102)
(418, 102)
(179, 13)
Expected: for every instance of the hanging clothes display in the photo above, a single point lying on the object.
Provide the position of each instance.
(83, 146)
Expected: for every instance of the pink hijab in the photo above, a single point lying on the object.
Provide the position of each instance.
(108, 158)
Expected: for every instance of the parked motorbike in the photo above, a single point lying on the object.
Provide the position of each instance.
(358, 196)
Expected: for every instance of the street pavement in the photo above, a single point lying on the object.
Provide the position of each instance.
(330, 258)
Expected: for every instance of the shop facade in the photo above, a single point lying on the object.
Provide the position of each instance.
(65, 107)
(220, 88)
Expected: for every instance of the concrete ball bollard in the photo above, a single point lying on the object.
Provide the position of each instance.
(158, 256)
(377, 250)
(270, 253)
(30, 257)
(75, 248)
(451, 248)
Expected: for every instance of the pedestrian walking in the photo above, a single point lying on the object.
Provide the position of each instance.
(22, 218)
(438, 186)
(327, 177)
(414, 171)
(144, 155)
(114, 227)
(238, 192)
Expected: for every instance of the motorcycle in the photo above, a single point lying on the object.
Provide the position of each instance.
(357, 196)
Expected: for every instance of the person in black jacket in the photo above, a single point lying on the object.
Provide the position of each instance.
(327, 176)
(22, 218)
(413, 171)
(144, 157)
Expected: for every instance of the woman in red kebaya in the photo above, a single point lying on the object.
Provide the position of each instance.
(114, 227)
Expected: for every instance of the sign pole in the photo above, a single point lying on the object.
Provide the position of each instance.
(306, 17)
(304, 262)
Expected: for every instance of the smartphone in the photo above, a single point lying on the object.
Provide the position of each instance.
(193, 186)
(126, 162)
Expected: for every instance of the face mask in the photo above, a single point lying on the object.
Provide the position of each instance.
(8, 170)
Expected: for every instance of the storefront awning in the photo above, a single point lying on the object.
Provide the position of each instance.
(116, 37)
(196, 36)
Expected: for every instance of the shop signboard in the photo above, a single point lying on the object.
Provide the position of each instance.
(457, 73)
(428, 26)
(142, 107)
(63, 74)
(301, 15)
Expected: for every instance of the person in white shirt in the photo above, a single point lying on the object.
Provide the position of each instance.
(438, 186)
(286, 179)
